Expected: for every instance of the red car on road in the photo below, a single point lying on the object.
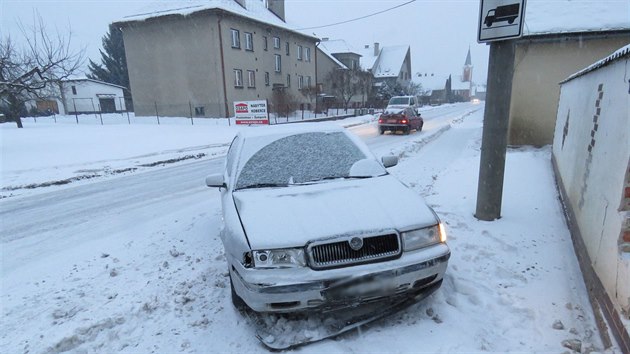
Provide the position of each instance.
(400, 120)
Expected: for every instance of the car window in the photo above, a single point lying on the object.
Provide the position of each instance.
(301, 158)
(399, 100)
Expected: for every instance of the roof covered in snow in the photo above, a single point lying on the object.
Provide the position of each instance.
(324, 50)
(254, 9)
(431, 81)
(458, 84)
(87, 79)
(336, 46)
(574, 16)
(388, 62)
(618, 54)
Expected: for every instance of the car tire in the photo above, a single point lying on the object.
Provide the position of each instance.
(406, 130)
(381, 131)
(420, 127)
(237, 301)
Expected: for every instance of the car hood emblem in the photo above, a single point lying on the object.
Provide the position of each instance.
(356, 243)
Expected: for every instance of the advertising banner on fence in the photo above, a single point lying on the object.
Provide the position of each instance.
(251, 112)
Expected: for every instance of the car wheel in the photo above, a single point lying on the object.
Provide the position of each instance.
(381, 131)
(420, 127)
(406, 130)
(237, 301)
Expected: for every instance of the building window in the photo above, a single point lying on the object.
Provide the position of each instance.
(278, 63)
(74, 90)
(300, 82)
(265, 45)
(249, 41)
(251, 78)
(307, 54)
(287, 47)
(236, 38)
(276, 42)
(238, 78)
(308, 81)
(288, 80)
(200, 111)
(299, 52)
(266, 78)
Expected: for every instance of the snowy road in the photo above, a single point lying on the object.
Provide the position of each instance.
(134, 263)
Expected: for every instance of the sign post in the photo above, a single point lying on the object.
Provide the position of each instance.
(251, 112)
(499, 20)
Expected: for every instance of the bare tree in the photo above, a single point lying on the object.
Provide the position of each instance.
(282, 102)
(347, 83)
(36, 68)
(310, 92)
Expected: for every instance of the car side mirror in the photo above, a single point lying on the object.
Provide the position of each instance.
(389, 161)
(216, 181)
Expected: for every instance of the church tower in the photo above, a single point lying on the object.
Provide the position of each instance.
(467, 74)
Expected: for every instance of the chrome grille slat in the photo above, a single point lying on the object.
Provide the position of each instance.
(339, 253)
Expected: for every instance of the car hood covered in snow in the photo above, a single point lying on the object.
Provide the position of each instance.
(294, 215)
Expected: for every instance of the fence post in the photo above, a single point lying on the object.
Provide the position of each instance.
(76, 116)
(100, 113)
(55, 117)
(157, 115)
(93, 108)
(191, 116)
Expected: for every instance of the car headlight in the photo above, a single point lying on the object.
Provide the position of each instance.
(279, 258)
(415, 239)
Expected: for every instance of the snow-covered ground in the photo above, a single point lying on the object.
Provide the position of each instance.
(132, 262)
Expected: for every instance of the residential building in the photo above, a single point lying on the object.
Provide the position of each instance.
(439, 88)
(81, 95)
(559, 38)
(201, 58)
(391, 64)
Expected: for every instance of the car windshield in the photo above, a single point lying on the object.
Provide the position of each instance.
(301, 158)
(399, 100)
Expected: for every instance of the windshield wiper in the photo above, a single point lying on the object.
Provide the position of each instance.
(263, 185)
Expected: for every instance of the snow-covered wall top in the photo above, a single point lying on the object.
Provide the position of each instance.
(253, 9)
(618, 54)
(570, 16)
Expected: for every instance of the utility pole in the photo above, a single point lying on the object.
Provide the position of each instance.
(500, 23)
(495, 130)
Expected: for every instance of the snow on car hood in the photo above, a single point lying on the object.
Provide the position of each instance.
(292, 216)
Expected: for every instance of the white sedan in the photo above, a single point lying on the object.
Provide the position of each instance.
(313, 221)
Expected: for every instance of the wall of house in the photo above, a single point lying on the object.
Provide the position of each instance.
(591, 153)
(260, 61)
(538, 68)
(325, 66)
(87, 96)
(174, 64)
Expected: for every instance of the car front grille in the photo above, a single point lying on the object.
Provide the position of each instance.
(340, 254)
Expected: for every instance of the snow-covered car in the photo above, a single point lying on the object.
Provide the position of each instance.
(403, 120)
(312, 220)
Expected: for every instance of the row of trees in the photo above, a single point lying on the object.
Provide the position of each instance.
(36, 68)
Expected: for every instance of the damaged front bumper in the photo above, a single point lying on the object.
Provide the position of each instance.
(304, 289)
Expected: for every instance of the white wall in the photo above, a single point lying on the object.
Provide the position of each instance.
(591, 148)
(87, 95)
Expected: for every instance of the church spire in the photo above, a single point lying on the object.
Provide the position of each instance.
(468, 61)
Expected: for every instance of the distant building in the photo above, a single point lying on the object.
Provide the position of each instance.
(559, 38)
(81, 95)
(199, 59)
(440, 88)
(391, 64)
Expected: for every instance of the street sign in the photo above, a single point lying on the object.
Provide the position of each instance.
(251, 112)
(500, 20)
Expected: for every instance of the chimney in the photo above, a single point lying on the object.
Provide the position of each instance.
(376, 49)
(277, 7)
(367, 46)
(241, 2)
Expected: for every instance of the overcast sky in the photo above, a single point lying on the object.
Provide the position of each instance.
(439, 32)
